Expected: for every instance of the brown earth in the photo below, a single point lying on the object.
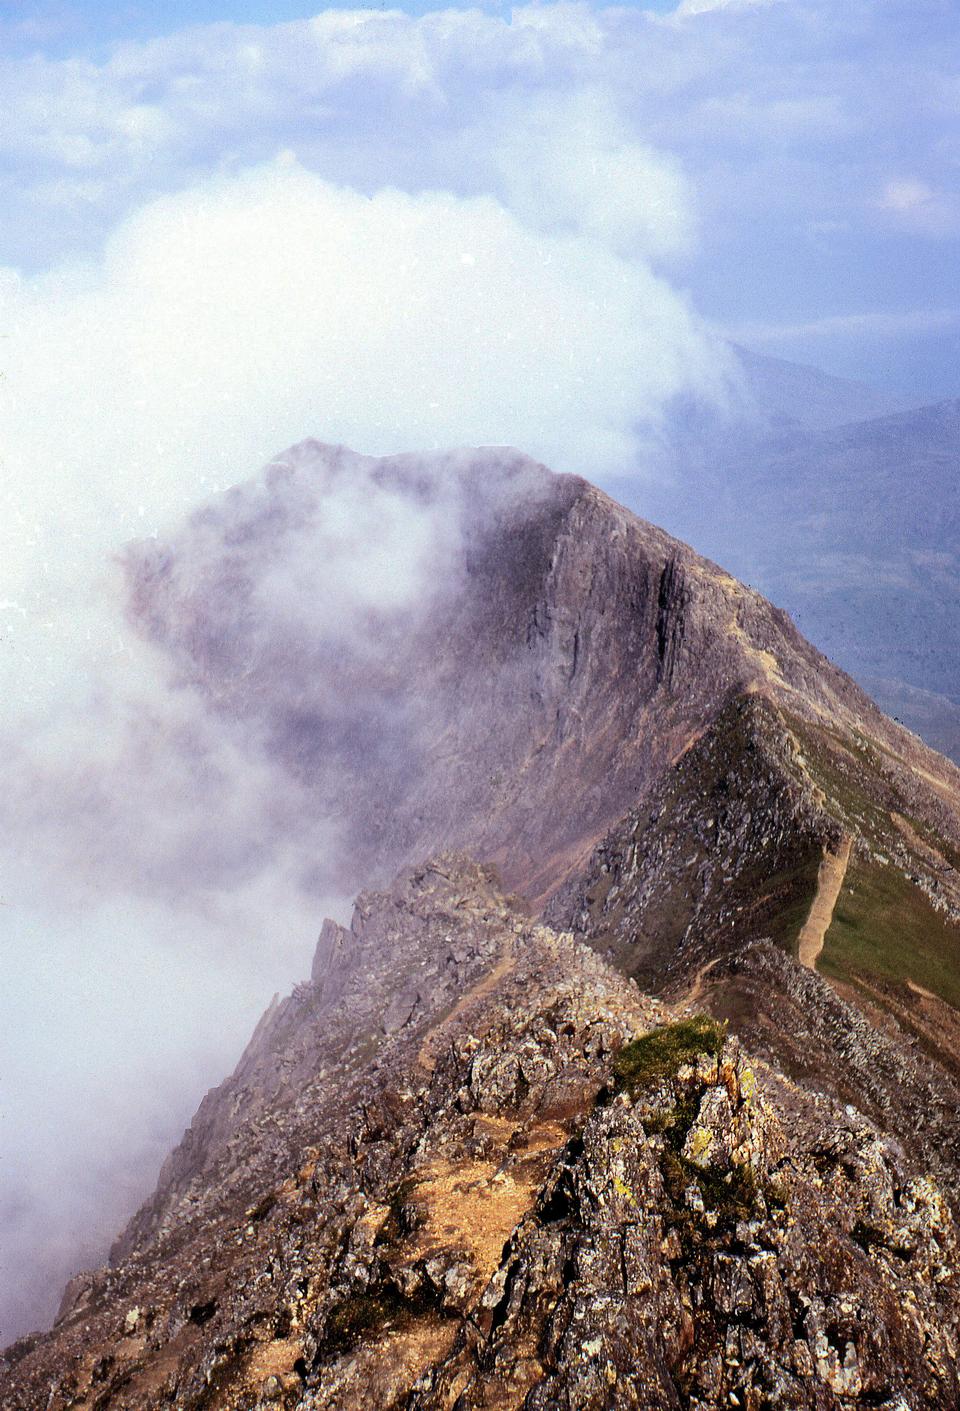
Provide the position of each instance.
(830, 878)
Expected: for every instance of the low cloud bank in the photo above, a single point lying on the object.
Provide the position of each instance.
(160, 874)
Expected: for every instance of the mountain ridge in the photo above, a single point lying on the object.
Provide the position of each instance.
(853, 527)
(557, 587)
(553, 1192)
(404, 1194)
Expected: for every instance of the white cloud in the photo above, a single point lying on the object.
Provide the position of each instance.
(905, 195)
(217, 325)
(702, 7)
(235, 318)
(570, 162)
(785, 116)
(915, 205)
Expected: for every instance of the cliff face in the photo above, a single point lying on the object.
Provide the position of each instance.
(557, 656)
(471, 1164)
(675, 1126)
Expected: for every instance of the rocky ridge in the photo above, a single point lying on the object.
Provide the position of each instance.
(525, 1185)
(505, 1152)
(563, 655)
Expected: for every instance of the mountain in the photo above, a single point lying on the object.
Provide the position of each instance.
(853, 528)
(677, 1123)
(783, 395)
(479, 1187)
(560, 655)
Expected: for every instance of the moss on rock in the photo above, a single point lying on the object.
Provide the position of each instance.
(661, 1053)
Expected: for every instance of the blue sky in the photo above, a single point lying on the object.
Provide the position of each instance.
(820, 143)
(89, 26)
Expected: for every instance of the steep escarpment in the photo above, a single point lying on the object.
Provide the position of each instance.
(525, 1184)
(514, 696)
(624, 1138)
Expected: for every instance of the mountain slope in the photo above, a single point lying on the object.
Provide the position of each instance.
(571, 668)
(495, 1194)
(854, 529)
(472, 1162)
(561, 639)
(783, 394)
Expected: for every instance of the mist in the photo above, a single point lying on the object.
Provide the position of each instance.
(164, 866)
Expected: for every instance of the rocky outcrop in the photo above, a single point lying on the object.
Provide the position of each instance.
(525, 1185)
(719, 853)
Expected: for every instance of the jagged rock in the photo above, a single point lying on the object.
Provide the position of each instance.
(471, 1164)
(547, 1191)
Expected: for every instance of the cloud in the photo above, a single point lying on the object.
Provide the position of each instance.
(117, 1019)
(158, 860)
(784, 118)
(916, 207)
(571, 163)
(702, 7)
(234, 318)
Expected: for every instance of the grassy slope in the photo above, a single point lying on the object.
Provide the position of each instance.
(883, 925)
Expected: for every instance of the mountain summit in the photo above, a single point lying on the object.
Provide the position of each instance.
(639, 1085)
(524, 669)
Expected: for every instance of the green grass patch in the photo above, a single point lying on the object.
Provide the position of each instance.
(733, 1193)
(884, 926)
(776, 904)
(731, 1197)
(661, 1053)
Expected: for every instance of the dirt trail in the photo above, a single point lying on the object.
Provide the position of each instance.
(696, 989)
(427, 1054)
(833, 869)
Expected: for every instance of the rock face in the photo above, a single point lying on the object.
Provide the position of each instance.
(559, 655)
(618, 1140)
(471, 1165)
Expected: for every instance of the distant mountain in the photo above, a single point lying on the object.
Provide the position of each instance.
(936, 719)
(854, 529)
(784, 395)
(470, 1163)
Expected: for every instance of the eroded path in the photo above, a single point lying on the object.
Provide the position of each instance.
(429, 1049)
(696, 989)
(833, 870)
